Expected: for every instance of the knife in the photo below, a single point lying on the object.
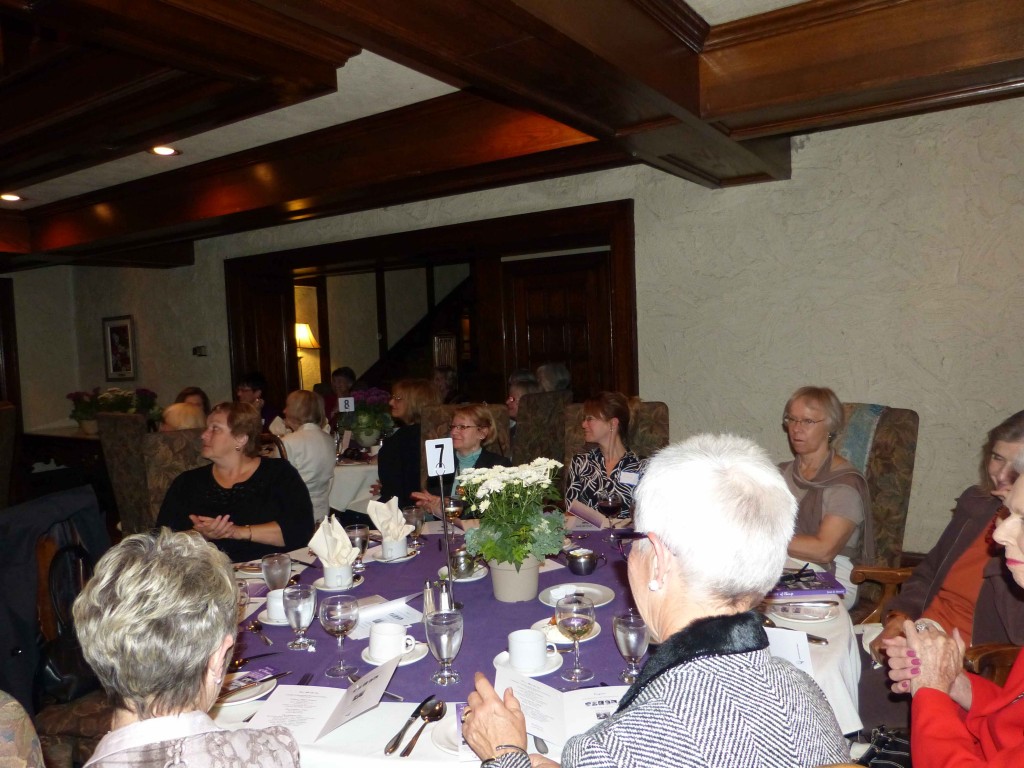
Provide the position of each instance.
(241, 661)
(393, 744)
(253, 684)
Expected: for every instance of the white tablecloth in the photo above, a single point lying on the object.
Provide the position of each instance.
(836, 665)
(352, 483)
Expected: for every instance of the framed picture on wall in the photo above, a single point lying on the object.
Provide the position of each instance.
(119, 347)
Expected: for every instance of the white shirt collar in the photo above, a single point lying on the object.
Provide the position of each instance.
(154, 730)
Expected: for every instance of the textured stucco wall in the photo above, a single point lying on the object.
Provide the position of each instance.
(352, 309)
(886, 268)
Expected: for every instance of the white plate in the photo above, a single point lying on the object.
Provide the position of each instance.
(554, 634)
(551, 663)
(791, 619)
(446, 735)
(599, 593)
(479, 573)
(356, 581)
(249, 694)
(411, 657)
(376, 555)
(269, 621)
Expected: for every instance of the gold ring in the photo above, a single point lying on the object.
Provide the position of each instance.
(466, 713)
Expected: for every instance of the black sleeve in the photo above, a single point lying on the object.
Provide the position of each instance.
(294, 508)
(398, 465)
(179, 502)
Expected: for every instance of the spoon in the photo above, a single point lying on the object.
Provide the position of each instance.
(257, 626)
(431, 714)
(236, 664)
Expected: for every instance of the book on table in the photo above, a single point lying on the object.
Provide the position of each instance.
(813, 584)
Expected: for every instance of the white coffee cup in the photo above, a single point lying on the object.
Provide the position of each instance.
(275, 605)
(338, 576)
(394, 549)
(388, 640)
(528, 650)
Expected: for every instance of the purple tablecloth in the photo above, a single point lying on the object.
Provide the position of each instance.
(487, 625)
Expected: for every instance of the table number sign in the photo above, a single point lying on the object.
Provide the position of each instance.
(346, 404)
(440, 457)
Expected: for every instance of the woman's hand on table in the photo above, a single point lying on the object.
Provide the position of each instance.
(428, 502)
(491, 721)
(928, 658)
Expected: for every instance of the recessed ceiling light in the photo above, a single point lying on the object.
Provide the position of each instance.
(10, 197)
(164, 151)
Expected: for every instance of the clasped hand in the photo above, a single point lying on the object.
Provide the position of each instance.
(926, 659)
(211, 528)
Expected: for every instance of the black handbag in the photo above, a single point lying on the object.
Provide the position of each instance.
(63, 673)
(889, 748)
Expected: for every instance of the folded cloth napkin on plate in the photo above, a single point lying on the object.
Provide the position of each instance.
(331, 544)
(389, 520)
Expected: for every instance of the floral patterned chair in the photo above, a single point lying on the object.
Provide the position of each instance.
(166, 455)
(19, 744)
(434, 423)
(540, 427)
(121, 440)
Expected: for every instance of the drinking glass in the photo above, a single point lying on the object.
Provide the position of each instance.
(631, 638)
(444, 637)
(414, 517)
(277, 569)
(359, 536)
(243, 597)
(575, 616)
(609, 504)
(299, 607)
(338, 614)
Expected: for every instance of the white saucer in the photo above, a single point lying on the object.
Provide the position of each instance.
(411, 657)
(552, 662)
(554, 634)
(269, 621)
(446, 734)
(377, 553)
(480, 571)
(249, 694)
(356, 581)
(598, 593)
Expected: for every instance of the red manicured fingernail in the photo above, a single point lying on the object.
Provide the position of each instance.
(911, 654)
(915, 670)
(915, 662)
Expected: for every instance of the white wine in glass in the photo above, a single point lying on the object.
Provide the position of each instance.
(575, 617)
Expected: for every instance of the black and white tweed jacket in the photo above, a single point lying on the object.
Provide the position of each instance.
(712, 696)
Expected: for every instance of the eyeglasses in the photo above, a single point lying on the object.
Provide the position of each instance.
(462, 427)
(789, 421)
(804, 575)
(397, 397)
(624, 541)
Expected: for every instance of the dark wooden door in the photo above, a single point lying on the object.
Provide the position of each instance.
(559, 309)
(10, 377)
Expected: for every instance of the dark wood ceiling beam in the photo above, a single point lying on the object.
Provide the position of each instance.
(446, 145)
(155, 256)
(829, 63)
(611, 72)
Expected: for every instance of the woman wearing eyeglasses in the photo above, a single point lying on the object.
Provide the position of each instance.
(833, 526)
(609, 467)
(475, 440)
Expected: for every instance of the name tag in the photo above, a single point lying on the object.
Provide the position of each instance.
(629, 478)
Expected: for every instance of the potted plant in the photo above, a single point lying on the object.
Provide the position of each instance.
(514, 535)
(371, 417)
(84, 406)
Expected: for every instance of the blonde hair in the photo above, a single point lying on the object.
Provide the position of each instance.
(828, 401)
(184, 416)
(418, 394)
(305, 407)
(480, 415)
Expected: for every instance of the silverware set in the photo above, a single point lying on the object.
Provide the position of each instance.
(416, 714)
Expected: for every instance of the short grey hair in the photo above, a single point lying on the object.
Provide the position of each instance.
(723, 509)
(156, 609)
(554, 377)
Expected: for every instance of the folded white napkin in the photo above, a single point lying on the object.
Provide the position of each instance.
(331, 544)
(388, 519)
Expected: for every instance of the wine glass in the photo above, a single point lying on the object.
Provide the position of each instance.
(277, 569)
(414, 517)
(243, 597)
(444, 637)
(359, 536)
(338, 614)
(609, 504)
(631, 638)
(575, 616)
(299, 607)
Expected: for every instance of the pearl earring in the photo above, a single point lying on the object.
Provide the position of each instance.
(238, 448)
(654, 585)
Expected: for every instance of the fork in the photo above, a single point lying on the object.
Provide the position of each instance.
(355, 677)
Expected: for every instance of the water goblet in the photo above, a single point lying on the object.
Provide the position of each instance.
(277, 568)
(359, 536)
(299, 607)
(444, 637)
(338, 615)
(631, 638)
(414, 517)
(243, 597)
(575, 617)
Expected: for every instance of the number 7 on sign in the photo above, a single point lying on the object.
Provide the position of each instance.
(440, 457)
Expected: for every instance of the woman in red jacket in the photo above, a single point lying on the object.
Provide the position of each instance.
(958, 719)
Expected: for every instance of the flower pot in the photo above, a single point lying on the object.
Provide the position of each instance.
(366, 437)
(89, 426)
(511, 586)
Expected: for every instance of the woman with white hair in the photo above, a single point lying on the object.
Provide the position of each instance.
(718, 517)
(309, 449)
(157, 625)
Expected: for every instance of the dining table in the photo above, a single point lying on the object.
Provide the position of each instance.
(352, 485)
(487, 625)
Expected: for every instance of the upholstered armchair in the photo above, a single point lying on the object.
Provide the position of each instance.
(19, 744)
(166, 455)
(540, 426)
(121, 440)
(434, 423)
(8, 425)
(882, 443)
(648, 430)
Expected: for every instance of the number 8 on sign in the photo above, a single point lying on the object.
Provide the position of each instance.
(440, 457)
